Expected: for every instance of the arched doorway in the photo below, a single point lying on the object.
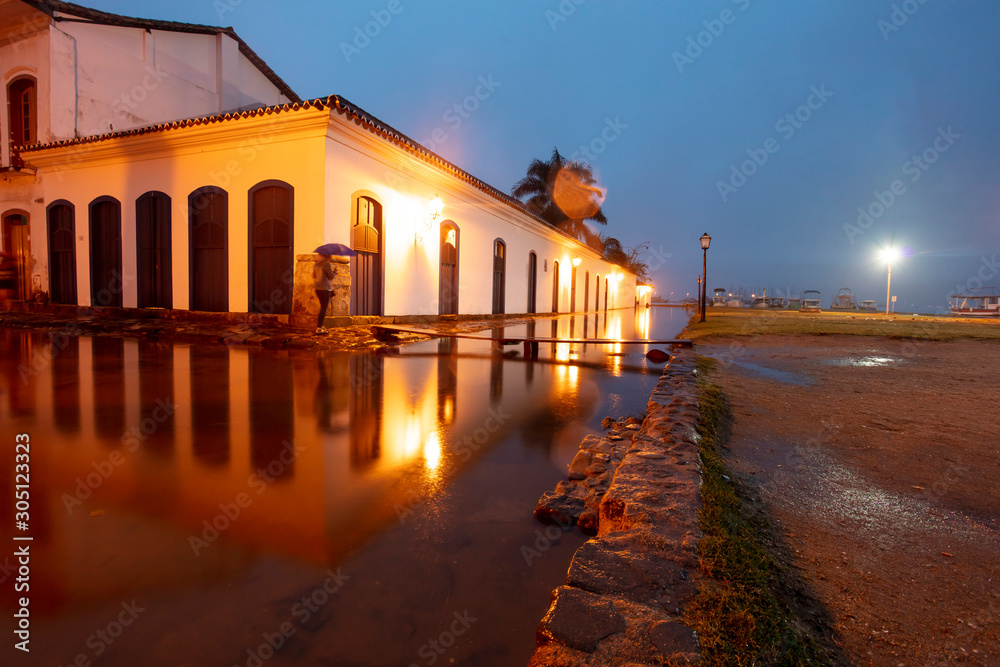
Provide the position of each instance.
(366, 268)
(448, 275)
(62, 252)
(152, 251)
(586, 291)
(17, 243)
(106, 281)
(208, 234)
(271, 233)
(532, 281)
(555, 286)
(499, 275)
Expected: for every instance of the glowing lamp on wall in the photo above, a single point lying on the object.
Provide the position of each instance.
(576, 261)
(434, 208)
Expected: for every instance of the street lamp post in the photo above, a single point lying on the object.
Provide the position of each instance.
(705, 241)
(889, 255)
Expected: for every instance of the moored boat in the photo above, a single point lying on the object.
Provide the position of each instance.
(868, 306)
(845, 300)
(981, 302)
(811, 302)
(719, 297)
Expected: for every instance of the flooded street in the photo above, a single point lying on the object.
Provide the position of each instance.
(197, 504)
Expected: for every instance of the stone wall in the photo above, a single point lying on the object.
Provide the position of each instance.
(626, 588)
(305, 305)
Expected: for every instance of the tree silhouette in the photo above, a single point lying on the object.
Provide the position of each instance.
(564, 193)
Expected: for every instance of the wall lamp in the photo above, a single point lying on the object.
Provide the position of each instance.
(434, 208)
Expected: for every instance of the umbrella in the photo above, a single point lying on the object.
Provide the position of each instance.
(335, 249)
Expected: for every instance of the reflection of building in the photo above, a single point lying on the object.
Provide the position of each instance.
(164, 165)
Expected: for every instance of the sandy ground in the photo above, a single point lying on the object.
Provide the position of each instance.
(879, 459)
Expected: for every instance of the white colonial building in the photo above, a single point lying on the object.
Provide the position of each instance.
(153, 164)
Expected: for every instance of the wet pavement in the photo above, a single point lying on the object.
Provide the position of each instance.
(198, 503)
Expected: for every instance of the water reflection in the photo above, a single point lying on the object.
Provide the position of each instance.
(145, 441)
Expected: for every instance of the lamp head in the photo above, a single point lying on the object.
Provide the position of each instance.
(889, 255)
(434, 207)
(705, 240)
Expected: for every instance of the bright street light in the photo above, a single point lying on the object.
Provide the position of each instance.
(889, 255)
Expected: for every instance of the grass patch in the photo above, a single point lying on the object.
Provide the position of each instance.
(738, 617)
(752, 321)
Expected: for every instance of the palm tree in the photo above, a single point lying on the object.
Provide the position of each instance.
(577, 191)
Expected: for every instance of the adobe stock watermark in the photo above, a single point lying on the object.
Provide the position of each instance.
(104, 637)
(914, 169)
(103, 469)
(898, 17)
(434, 649)
(258, 481)
(786, 127)
(302, 611)
(564, 10)
(697, 44)
(460, 112)
(363, 35)
(608, 135)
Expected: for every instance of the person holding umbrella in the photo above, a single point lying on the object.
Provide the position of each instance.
(323, 274)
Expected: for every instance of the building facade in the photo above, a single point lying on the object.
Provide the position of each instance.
(152, 164)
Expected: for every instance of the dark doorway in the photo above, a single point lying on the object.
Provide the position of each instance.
(366, 268)
(208, 221)
(586, 291)
(572, 290)
(62, 252)
(448, 279)
(271, 220)
(532, 281)
(16, 242)
(555, 287)
(106, 280)
(152, 251)
(499, 275)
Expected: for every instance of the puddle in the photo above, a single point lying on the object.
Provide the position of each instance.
(868, 361)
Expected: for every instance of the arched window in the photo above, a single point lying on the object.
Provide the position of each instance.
(499, 275)
(208, 233)
(153, 252)
(106, 281)
(366, 269)
(62, 252)
(448, 276)
(532, 281)
(271, 233)
(22, 106)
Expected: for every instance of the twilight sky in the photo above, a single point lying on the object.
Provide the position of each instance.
(768, 125)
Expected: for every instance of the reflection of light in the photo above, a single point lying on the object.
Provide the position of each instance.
(642, 324)
(432, 451)
(562, 351)
(567, 377)
(449, 409)
(412, 438)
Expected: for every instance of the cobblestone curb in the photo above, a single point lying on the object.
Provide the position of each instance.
(626, 588)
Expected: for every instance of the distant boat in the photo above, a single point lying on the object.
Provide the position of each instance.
(759, 302)
(793, 303)
(775, 302)
(981, 302)
(845, 300)
(811, 302)
(868, 306)
(719, 297)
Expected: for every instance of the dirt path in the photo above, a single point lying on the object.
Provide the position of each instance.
(880, 461)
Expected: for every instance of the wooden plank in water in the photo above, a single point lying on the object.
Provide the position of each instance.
(512, 340)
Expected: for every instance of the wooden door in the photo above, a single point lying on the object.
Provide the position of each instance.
(271, 249)
(106, 282)
(153, 252)
(208, 219)
(448, 279)
(62, 253)
(366, 268)
(532, 281)
(499, 275)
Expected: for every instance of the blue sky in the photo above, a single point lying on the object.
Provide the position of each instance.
(670, 98)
